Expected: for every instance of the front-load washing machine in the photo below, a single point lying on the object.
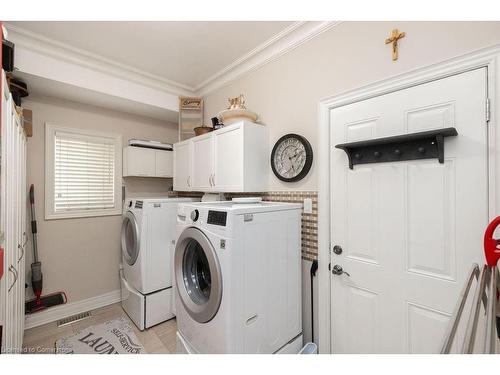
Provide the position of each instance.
(147, 239)
(238, 274)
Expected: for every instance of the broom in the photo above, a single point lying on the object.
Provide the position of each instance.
(39, 302)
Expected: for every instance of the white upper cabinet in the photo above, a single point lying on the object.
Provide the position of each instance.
(164, 163)
(182, 166)
(231, 159)
(147, 162)
(138, 161)
(202, 161)
(228, 164)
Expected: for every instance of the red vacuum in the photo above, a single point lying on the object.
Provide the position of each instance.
(40, 302)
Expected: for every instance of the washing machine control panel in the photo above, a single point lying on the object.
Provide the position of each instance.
(217, 218)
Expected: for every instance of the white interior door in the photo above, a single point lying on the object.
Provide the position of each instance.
(410, 230)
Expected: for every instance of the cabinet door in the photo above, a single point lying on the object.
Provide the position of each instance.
(164, 164)
(202, 163)
(182, 166)
(24, 237)
(4, 281)
(228, 154)
(11, 232)
(19, 250)
(139, 162)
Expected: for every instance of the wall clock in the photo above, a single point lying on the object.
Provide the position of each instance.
(291, 158)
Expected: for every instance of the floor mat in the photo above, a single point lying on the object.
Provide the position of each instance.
(113, 337)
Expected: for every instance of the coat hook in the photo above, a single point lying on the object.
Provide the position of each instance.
(428, 144)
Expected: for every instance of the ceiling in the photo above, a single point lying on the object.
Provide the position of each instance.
(187, 53)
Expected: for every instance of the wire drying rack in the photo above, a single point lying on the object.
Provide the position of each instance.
(484, 304)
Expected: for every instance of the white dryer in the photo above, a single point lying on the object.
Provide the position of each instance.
(238, 274)
(147, 239)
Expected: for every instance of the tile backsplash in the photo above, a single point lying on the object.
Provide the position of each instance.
(309, 221)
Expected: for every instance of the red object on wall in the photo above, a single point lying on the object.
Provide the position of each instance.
(491, 250)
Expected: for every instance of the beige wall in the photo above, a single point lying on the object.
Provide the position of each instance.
(81, 256)
(286, 91)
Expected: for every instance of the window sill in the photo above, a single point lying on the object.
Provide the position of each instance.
(83, 214)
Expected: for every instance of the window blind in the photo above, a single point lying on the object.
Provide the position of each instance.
(84, 172)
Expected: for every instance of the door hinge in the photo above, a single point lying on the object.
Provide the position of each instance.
(488, 111)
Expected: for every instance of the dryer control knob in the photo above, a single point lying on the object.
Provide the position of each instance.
(194, 215)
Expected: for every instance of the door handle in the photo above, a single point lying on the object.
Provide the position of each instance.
(16, 275)
(337, 270)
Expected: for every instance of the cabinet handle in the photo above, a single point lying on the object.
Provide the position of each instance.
(189, 181)
(210, 180)
(25, 239)
(213, 180)
(22, 252)
(16, 275)
(22, 247)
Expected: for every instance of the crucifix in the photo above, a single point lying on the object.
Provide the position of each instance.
(395, 36)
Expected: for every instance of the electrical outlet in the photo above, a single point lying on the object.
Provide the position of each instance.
(308, 206)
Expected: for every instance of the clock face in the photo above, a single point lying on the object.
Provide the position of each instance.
(291, 158)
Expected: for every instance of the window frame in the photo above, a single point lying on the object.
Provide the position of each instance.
(50, 214)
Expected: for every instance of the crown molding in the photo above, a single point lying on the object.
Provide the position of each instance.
(66, 52)
(283, 42)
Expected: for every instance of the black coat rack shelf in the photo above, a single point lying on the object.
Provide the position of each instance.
(414, 146)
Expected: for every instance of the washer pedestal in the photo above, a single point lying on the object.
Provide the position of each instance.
(146, 310)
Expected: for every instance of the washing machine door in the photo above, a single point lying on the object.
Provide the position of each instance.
(198, 275)
(130, 238)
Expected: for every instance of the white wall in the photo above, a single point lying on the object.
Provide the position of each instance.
(81, 256)
(286, 91)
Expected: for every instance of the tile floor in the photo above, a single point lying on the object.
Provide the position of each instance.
(159, 339)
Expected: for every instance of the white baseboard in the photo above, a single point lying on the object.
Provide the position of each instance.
(63, 311)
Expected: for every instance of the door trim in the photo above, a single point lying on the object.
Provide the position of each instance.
(487, 57)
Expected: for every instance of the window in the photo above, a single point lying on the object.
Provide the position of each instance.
(82, 173)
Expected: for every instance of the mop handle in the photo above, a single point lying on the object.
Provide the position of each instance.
(33, 222)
